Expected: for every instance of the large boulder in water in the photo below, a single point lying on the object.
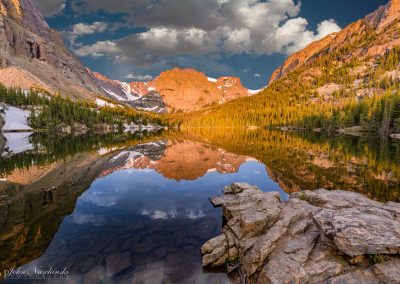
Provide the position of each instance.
(315, 237)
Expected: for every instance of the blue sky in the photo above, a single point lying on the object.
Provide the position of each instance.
(136, 40)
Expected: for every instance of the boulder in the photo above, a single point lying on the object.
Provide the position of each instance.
(315, 237)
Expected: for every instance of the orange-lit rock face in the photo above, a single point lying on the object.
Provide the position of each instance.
(188, 89)
(142, 88)
(3, 10)
(11, 8)
(392, 13)
(180, 160)
(231, 88)
(298, 58)
(347, 33)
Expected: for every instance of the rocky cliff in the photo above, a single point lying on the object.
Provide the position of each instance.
(383, 23)
(175, 90)
(33, 55)
(315, 237)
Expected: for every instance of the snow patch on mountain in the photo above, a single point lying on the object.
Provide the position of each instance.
(103, 103)
(111, 93)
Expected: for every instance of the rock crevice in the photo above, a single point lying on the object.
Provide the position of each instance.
(315, 237)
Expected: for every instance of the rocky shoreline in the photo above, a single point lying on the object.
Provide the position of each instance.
(315, 237)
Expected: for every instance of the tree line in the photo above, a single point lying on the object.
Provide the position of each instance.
(48, 112)
(294, 99)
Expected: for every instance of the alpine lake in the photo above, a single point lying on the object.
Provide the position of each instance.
(134, 208)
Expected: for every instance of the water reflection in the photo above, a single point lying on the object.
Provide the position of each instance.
(146, 225)
(136, 210)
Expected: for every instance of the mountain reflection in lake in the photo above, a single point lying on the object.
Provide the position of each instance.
(136, 210)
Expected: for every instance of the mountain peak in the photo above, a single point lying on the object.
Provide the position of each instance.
(303, 56)
(27, 42)
(178, 89)
(391, 13)
(377, 21)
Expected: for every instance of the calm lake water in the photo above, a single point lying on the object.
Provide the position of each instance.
(134, 208)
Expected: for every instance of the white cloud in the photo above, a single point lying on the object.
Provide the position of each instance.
(219, 27)
(136, 77)
(257, 75)
(82, 29)
(327, 27)
(98, 49)
(87, 29)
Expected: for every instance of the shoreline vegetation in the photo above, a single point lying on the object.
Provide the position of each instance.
(286, 104)
(372, 106)
(340, 97)
(48, 148)
(49, 113)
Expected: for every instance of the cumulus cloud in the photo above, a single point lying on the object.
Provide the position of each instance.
(136, 77)
(257, 75)
(87, 29)
(82, 29)
(203, 29)
(99, 49)
(50, 8)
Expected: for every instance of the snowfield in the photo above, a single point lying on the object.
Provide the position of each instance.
(103, 103)
(15, 119)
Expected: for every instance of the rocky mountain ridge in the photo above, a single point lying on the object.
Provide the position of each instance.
(175, 90)
(377, 22)
(36, 56)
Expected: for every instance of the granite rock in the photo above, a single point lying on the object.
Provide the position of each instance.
(315, 237)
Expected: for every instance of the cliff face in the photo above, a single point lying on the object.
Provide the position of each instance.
(303, 56)
(378, 22)
(189, 89)
(37, 54)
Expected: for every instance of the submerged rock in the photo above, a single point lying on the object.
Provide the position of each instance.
(315, 237)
